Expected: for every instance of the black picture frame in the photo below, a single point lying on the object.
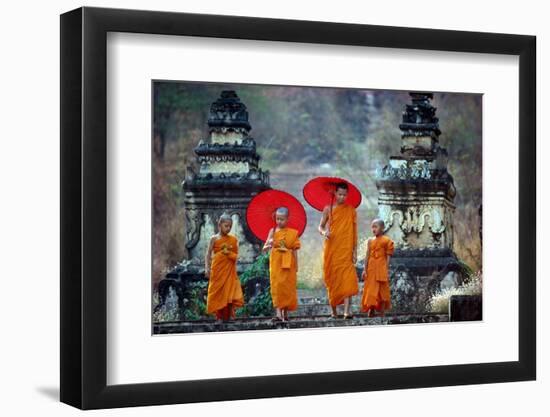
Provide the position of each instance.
(84, 207)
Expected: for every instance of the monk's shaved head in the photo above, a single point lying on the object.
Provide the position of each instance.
(342, 186)
(379, 222)
(225, 218)
(282, 211)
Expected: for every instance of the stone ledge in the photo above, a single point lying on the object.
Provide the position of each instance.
(265, 323)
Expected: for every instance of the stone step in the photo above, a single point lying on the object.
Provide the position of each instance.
(266, 323)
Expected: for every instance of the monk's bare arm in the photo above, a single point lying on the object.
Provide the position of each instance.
(323, 225)
(269, 241)
(366, 258)
(355, 238)
(208, 257)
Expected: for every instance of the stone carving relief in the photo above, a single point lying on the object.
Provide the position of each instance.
(417, 227)
(393, 220)
(437, 225)
(206, 231)
(193, 224)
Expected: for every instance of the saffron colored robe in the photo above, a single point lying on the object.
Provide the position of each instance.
(376, 292)
(339, 271)
(282, 268)
(224, 287)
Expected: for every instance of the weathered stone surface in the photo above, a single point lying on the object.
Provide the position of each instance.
(416, 191)
(228, 177)
(465, 308)
(416, 194)
(294, 323)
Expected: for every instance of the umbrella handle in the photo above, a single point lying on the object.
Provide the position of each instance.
(330, 213)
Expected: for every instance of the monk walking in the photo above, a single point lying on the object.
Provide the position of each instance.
(376, 292)
(339, 227)
(283, 242)
(224, 288)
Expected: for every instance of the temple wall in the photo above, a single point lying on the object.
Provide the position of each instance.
(419, 225)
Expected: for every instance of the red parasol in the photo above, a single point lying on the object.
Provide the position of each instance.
(260, 213)
(319, 192)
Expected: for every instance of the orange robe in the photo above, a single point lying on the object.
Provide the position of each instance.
(282, 268)
(376, 292)
(224, 287)
(339, 271)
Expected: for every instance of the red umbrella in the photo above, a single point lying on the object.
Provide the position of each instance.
(319, 192)
(260, 213)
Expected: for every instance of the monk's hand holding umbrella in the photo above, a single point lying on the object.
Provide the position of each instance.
(324, 226)
(268, 245)
(260, 214)
(324, 193)
(337, 199)
(278, 218)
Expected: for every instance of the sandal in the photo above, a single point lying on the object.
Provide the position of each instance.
(348, 316)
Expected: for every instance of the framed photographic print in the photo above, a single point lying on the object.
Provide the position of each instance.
(249, 205)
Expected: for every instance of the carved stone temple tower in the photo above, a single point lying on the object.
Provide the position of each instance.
(228, 177)
(416, 194)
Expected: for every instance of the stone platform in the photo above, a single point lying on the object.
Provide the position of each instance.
(265, 323)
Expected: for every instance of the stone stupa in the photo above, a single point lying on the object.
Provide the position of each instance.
(416, 194)
(228, 177)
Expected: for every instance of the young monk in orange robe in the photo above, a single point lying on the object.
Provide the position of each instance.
(339, 227)
(224, 288)
(284, 243)
(376, 292)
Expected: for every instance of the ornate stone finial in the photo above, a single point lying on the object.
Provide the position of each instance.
(419, 127)
(419, 117)
(228, 112)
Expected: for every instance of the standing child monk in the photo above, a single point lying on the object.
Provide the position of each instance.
(284, 243)
(339, 227)
(224, 288)
(376, 292)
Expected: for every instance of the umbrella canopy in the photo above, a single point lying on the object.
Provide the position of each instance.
(319, 192)
(260, 213)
